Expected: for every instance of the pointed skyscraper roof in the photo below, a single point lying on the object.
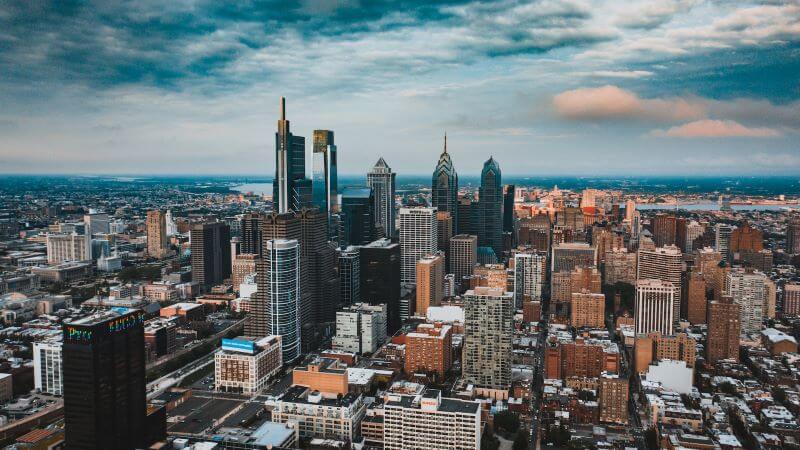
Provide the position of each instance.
(381, 163)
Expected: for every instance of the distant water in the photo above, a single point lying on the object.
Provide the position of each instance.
(714, 207)
(255, 188)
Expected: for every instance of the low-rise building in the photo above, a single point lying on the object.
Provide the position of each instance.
(246, 364)
(318, 416)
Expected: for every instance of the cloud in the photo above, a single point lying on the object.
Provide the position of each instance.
(653, 13)
(625, 74)
(709, 128)
(611, 102)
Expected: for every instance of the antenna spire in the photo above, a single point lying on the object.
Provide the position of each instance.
(283, 108)
(445, 141)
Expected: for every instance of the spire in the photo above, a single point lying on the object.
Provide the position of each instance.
(445, 142)
(283, 108)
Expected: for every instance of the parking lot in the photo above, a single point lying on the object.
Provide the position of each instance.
(198, 413)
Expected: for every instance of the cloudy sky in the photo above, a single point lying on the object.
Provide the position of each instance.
(546, 87)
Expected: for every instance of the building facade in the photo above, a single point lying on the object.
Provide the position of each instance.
(444, 186)
(488, 330)
(48, 367)
(360, 328)
(418, 237)
(245, 365)
(382, 181)
(654, 308)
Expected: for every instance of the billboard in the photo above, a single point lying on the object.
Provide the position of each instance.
(239, 345)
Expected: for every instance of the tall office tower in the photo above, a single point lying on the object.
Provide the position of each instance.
(567, 256)
(793, 235)
(444, 231)
(349, 276)
(381, 180)
(156, 234)
(357, 217)
(654, 310)
(444, 186)
(250, 238)
(724, 325)
(530, 272)
(791, 299)
(770, 298)
(620, 266)
(278, 280)
(508, 208)
(211, 253)
(380, 278)
(693, 231)
(490, 220)
(748, 288)
(325, 194)
(664, 230)
(722, 239)
(665, 264)
(587, 309)
(463, 256)
(488, 331)
(289, 188)
(465, 223)
(47, 367)
(360, 328)
(535, 232)
(172, 227)
(243, 265)
(696, 302)
(321, 284)
(104, 380)
(418, 237)
(65, 247)
(430, 282)
(746, 239)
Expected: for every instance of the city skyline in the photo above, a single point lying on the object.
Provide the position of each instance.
(556, 87)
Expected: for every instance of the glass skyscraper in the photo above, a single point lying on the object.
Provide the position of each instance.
(282, 257)
(290, 188)
(357, 217)
(382, 181)
(444, 187)
(325, 180)
(490, 198)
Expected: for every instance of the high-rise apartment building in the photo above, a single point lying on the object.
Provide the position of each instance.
(444, 186)
(654, 308)
(748, 288)
(104, 380)
(722, 239)
(664, 230)
(463, 256)
(349, 276)
(360, 328)
(156, 224)
(606, 240)
(723, 329)
(567, 256)
(746, 239)
(243, 265)
(428, 421)
(381, 180)
(488, 331)
(587, 310)
(429, 349)
(324, 188)
(279, 280)
(791, 299)
(380, 278)
(693, 231)
(665, 264)
(211, 253)
(530, 273)
(418, 237)
(291, 190)
(793, 235)
(620, 267)
(48, 367)
(490, 198)
(613, 400)
(696, 301)
(430, 282)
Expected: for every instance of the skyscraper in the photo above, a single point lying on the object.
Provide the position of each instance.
(325, 191)
(430, 282)
(357, 217)
(490, 198)
(748, 288)
(793, 235)
(488, 331)
(444, 231)
(380, 278)
(319, 300)
(104, 380)
(508, 208)
(289, 188)
(722, 239)
(444, 186)
(723, 329)
(653, 310)
(211, 253)
(156, 234)
(664, 229)
(381, 180)
(530, 272)
(463, 256)
(281, 275)
(665, 264)
(250, 226)
(349, 276)
(418, 237)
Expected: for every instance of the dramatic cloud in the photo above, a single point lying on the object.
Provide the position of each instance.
(611, 102)
(708, 128)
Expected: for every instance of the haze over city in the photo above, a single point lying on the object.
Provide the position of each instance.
(682, 87)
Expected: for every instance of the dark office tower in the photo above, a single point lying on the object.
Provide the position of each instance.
(325, 192)
(349, 276)
(104, 380)
(444, 231)
(680, 232)
(444, 186)
(357, 217)
(381, 180)
(508, 208)
(380, 278)
(793, 235)
(465, 223)
(211, 253)
(664, 230)
(250, 241)
(490, 220)
(290, 189)
(322, 283)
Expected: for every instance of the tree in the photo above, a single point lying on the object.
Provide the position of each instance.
(780, 395)
(651, 438)
(507, 421)
(559, 436)
(728, 388)
(521, 440)
(489, 441)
